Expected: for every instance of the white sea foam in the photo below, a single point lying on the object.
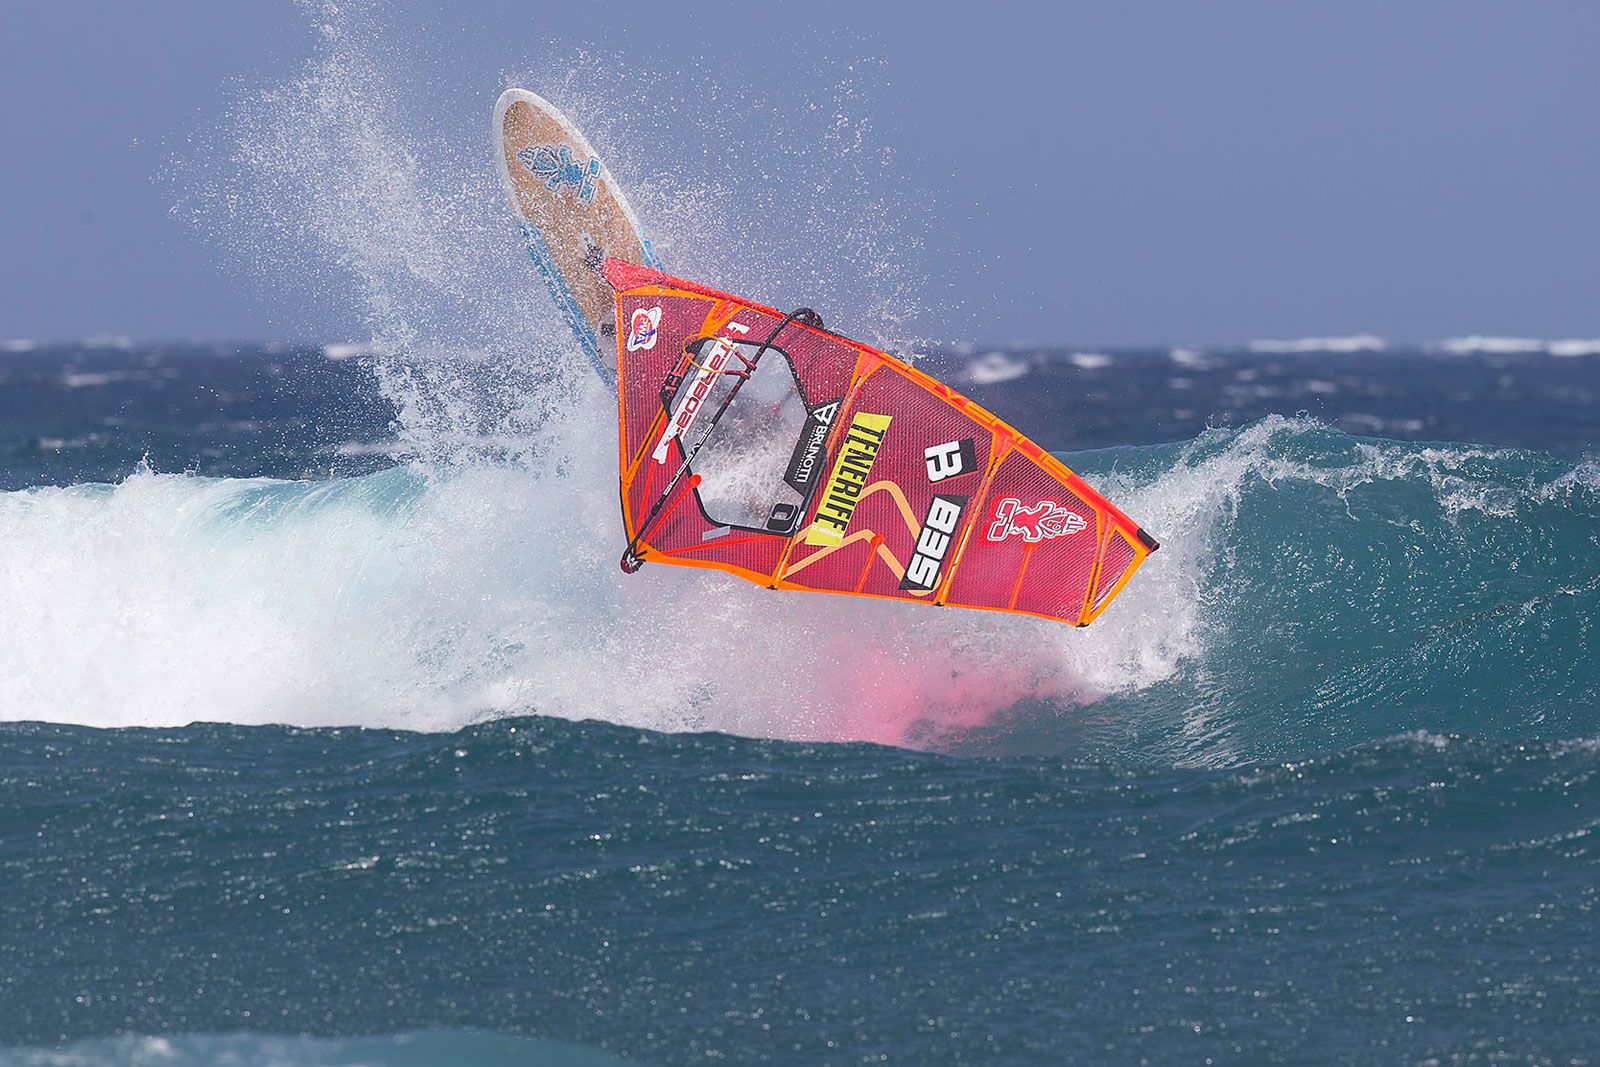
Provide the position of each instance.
(391, 447)
(992, 368)
(1363, 342)
(1478, 345)
(18, 344)
(1090, 360)
(263, 1050)
(1190, 357)
(1378, 425)
(349, 350)
(403, 599)
(1573, 347)
(90, 379)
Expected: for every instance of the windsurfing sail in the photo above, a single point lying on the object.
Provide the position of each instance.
(761, 444)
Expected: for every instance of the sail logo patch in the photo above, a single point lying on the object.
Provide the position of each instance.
(806, 461)
(856, 455)
(951, 459)
(643, 327)
(715, 356)
(1043, 521)
(782, 517)
(555, 167)
(934, 542)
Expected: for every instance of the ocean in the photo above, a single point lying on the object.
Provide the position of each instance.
(330, 732)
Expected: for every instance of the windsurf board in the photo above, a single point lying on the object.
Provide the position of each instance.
(574, 217)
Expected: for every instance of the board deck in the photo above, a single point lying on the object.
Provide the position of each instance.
(573, 214)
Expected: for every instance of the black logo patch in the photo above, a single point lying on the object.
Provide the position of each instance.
(951, 459)
(783, 517)
(935, 541)
(806, 461)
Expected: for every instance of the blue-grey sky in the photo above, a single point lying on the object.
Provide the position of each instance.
(1082, 172)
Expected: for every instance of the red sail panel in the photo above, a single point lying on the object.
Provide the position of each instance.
(836, 468)
(1116, 564)
(1033, 547)
(895, 495)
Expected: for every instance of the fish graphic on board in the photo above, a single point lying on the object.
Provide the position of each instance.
(556, 167)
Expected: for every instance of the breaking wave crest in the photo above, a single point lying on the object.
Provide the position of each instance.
(1311, 587)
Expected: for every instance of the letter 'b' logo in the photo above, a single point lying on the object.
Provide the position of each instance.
(951, 459)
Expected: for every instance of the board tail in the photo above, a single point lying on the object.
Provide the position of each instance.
(765, 446)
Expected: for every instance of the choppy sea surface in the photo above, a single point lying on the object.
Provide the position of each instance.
(317, 748)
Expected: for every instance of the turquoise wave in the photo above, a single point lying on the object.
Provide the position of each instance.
(1360, 588)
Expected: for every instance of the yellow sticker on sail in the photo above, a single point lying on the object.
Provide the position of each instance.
(856, 455)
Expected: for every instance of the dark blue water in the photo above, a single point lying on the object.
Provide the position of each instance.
(1322, 786)
(692, 897)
